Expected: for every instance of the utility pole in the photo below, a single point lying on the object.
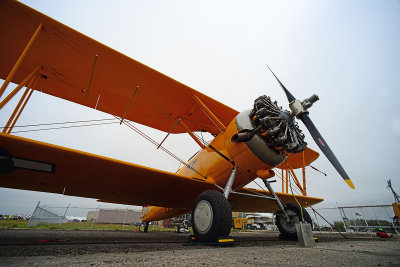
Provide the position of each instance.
(396, 196)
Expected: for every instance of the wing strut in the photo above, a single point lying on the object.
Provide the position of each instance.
(173, 127)
(22, 84)
(184, 126)
(210, 115)
(19, 61)
(91, 76)
(295, 179)
(20, 106)
(129, 104)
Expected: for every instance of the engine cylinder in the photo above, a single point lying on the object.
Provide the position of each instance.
(257, 144)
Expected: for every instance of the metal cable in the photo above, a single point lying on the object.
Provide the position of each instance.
(148, 138)
(279, 176)
(54, 123)
(161, 147)
(65, 127)
(298, 203)
(261, 187)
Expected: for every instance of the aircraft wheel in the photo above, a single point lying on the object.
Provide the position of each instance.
(288, 228)
(146, 227)
(211, 216)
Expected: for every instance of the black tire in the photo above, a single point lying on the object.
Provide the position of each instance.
(288, 229)
(146, 227)
(211, 216)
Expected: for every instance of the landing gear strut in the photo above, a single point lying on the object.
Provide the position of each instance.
(146, 227)
(288, 215)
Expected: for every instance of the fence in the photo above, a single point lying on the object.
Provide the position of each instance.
(366, 218)
(361, 218)
(44, 214)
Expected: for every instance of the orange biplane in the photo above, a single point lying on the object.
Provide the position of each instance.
(42, 54)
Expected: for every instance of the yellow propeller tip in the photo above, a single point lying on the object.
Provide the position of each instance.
(350, 183)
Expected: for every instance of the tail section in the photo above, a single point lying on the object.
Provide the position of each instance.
(153, 213)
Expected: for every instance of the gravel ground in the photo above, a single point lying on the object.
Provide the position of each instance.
(126, 248)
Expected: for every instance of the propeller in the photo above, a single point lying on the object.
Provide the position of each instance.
(299, 109)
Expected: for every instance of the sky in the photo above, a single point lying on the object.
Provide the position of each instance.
(346, 52)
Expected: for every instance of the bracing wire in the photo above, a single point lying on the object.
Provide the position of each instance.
(298, 203)
(125, 122)
(162, 148)
(148, 138)
(115, 120)
(65, 127)
(295, 189)
(56, 123)
(260, 187)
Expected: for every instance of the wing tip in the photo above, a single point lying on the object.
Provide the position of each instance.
(350, 183)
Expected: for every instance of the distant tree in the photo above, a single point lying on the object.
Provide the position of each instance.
(376, 223)
(361, 222)
(339, 226)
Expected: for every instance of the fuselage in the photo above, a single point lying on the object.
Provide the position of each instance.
(253, 159)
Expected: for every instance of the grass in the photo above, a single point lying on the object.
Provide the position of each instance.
(239, 230)
(13, 224)
(10, 224)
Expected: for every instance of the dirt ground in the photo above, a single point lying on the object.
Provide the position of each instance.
(125, 248)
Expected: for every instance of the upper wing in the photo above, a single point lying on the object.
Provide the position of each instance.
(32, 165)
(68, 59)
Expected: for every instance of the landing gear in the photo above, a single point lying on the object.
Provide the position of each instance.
(286, 226)
(287, 215)
(146, 227)
(211, 216)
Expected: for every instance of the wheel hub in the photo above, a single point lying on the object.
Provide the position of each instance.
(289, 225)
(203, 216)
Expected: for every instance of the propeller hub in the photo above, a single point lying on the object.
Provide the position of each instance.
(297, 108)
(300, 107)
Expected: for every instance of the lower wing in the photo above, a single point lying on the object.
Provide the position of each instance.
(259, 204)
(32, 165)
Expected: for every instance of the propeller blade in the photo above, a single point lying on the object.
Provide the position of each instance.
(289, 96)
(325, 148)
